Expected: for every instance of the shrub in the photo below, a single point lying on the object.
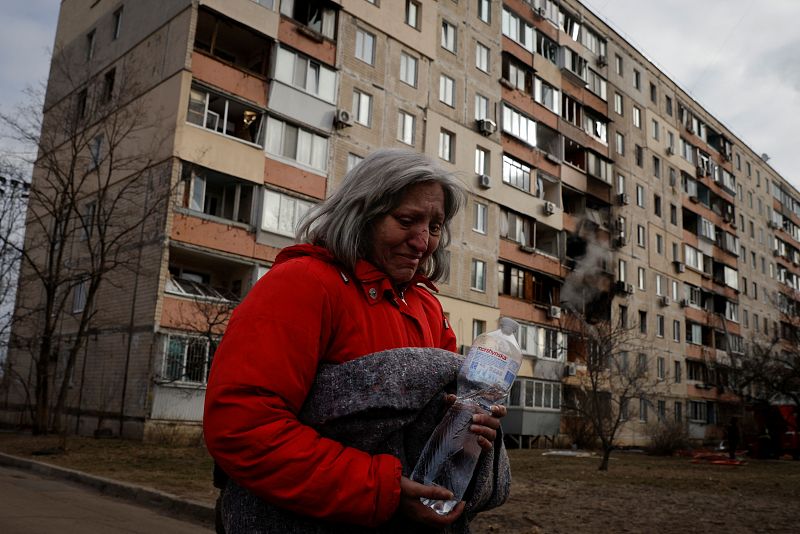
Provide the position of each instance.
(668, 436)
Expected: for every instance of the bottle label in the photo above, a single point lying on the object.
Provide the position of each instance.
(490, 367)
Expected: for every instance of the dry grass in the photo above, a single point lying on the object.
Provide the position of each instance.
(550, 494)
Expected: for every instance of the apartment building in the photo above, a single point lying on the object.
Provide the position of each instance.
(596, 184)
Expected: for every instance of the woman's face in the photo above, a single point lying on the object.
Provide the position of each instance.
(408, 235)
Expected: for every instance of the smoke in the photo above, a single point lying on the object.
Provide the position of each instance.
(586, 281)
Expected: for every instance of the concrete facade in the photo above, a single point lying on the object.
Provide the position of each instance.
(583, 140)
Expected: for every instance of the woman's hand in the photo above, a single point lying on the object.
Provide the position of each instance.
(412, 508)
(485, 425)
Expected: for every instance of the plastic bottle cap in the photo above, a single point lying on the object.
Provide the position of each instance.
(508, 326)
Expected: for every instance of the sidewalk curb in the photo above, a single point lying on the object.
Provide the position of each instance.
(164, 502)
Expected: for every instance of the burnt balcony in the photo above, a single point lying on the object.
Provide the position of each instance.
(232, 43)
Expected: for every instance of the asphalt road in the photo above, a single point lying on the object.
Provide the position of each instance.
(30, 504)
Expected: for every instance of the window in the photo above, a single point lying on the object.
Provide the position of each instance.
(365, 46)
(698, 411)
(405, 127)
(694, 334)
(282, 213)
(412, 13)
(620, 144)
(448, 36)
(478, 275)
(90, 38)
(620, 184)
(659, 285)
(88, 220)
(641, 278)
(227, 117)
(353, 160)
(478, 328)
(79, 296)
(668, 105)
(661, 367)
(653, 94)
(482, 57)
(218, 195)
(657, 205)
(519, 125)
(656, 166)
(618, 103)
(117, 24)
(596, 83)
(637, 79)
(187, 359)
(481, 107)
(447, 145)
(528, 393)
(485, 10)
(676, 333)
(96, 151)
(362, 108)
(654, 127)
(516, 74)
(659, 244)
(522, 33)
(546, 47)
(447, 90)
(643, 409)
(642, 321)
(314, 14)
(306, 74)
(480, 215)
(639, 156)
(81, 105)
(297, 144)
(546, 95)
(108, 84)
(516, 173)
(623, 316)
(637, 117)
(408, 69)
(673, 214)
(639, 195)
(481, 160)
(677, 372)
(660, 327)
(622, 269)
(618, 64)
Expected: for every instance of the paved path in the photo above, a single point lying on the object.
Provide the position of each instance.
(31, 504)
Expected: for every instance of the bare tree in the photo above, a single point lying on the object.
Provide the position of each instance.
(610, 379)
(13, 200)
(97, 193)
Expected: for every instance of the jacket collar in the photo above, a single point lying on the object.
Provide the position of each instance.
(373, 281)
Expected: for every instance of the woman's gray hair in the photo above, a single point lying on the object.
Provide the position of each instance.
(373, 188)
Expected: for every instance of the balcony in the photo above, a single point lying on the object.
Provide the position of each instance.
(218, 196)
(232, 43)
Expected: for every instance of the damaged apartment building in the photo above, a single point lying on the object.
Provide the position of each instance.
(567, 138)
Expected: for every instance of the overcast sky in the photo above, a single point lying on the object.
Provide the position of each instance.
(739, 58)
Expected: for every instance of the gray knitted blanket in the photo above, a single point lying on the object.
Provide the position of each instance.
(387, 402)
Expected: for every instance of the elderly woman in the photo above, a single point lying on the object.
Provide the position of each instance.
(361, 283)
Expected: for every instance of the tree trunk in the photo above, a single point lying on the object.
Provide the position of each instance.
(42, 393)
(604, 461)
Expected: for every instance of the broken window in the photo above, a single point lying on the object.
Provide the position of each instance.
(217, 194)
(317, 15)
(232, 42)
(226, 116)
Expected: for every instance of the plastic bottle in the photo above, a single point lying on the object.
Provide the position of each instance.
(450, 456)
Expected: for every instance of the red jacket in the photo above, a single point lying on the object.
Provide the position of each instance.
(304, 311)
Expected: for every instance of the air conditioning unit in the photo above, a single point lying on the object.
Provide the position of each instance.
(623, 199)
(618, 224)
(619, 286)
(486, 126)
(670, 151)
(679, 266)
(569, 369)
(694, 199)
(776, 253)
(683, 303)
(554, 312)
(700, 171)
(549, 208)
(690, 129)
(629, 289)
(663, 301)
(622, 241)
(343, 118)
(602, 61)
(484, 181)
(539, 12)
(526, 249)
(772, 224)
